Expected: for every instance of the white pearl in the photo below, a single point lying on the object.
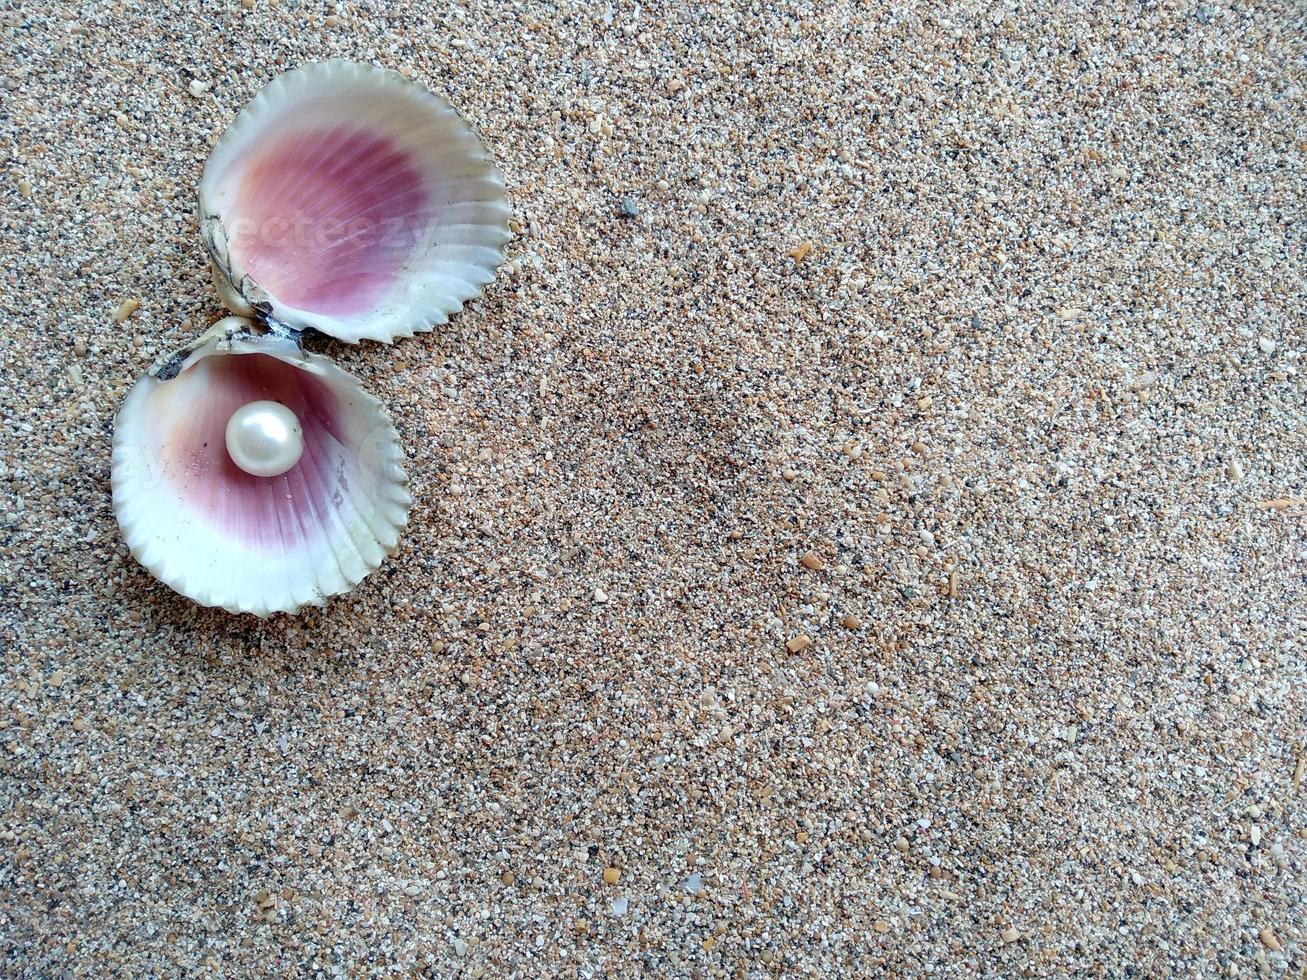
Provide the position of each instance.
(264, 438)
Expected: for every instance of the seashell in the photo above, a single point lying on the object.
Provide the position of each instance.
(252, 475)
(349, 199)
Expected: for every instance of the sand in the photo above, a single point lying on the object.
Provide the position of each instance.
(861, 529)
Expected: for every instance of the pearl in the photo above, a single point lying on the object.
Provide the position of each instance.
(264, 438)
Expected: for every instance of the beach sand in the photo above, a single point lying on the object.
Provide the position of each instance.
(860, 530)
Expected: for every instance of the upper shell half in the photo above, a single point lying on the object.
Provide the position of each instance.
(348, 199)
(216, 532)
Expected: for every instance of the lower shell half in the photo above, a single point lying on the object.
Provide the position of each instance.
(214, 529)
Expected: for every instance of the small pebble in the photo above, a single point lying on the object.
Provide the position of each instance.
(126, 309)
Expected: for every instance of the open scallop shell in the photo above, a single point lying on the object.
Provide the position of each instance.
(255, 544)
(348, 199)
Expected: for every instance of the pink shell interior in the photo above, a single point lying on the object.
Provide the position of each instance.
(272, 513)
(326, 218)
